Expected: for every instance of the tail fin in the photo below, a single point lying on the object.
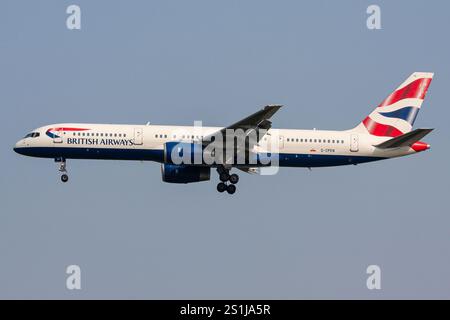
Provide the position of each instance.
(397, 113)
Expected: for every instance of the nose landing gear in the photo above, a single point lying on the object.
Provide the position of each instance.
(64, 178)
(224, 176)
(63, 170)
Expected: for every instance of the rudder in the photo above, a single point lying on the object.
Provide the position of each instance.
(397, 113)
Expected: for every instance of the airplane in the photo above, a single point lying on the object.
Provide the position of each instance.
(385, 133)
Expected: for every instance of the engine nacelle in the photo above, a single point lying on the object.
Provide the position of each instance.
(182, 153)
(184, 174)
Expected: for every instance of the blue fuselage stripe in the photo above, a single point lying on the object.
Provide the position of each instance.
(285, 159)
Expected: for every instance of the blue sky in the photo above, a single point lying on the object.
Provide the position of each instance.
(298, 234)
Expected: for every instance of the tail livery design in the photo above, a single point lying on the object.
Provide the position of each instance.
(397, 113)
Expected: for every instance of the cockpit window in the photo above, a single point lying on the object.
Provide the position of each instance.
(32, 135)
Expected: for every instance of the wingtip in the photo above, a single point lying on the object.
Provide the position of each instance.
(273, 106)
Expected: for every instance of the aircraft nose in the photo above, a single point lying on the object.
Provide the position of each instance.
(18, 147)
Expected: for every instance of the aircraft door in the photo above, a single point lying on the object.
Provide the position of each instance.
(138, 136)
(281, 142)
(57, 137)
(275, 143)
(354, 142)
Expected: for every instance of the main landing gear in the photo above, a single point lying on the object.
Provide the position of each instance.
(225, 176)
(63, 170)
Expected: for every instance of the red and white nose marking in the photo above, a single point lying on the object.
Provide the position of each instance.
(420, 146)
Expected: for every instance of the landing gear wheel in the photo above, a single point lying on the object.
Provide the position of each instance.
(221, 187)
(234, 178)
(224, 177)
(64, 178)
(231, 188)
(221, 169)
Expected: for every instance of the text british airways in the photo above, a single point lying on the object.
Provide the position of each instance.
(101, 142)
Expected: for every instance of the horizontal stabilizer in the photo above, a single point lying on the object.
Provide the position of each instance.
(404, 140)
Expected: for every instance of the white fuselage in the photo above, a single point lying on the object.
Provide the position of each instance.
(296, 148)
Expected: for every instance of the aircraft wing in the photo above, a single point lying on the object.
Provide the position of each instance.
(258, 120)
(250, 170)
(250, 125)
(255, 122)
